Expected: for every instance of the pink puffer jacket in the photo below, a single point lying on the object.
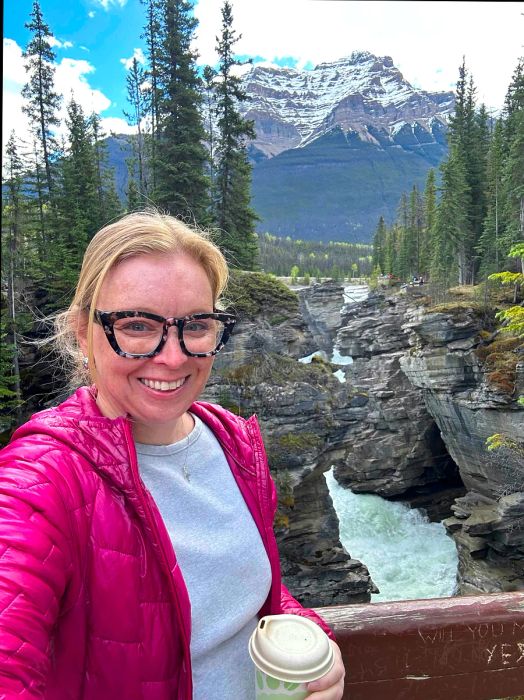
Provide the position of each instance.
(93, 605)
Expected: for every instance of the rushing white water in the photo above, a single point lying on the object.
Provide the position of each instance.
(352, 293)
(408, 557)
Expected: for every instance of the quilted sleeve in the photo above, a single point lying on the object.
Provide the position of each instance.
(293, 607)
(35, 561)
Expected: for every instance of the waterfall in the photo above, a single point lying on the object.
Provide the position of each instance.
(408, 556)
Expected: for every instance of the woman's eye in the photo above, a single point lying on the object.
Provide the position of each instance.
(197, 326)
(137, 327)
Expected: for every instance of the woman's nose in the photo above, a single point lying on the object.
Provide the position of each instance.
(171, 352)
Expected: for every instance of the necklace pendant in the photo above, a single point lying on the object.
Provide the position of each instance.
(185, 471)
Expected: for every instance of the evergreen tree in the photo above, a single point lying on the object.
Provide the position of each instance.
(513, 169)
(35, 183)
(490, 246)
(469, 141)
(209, 76)
(81, 202)
(42, 102)
(152, 36)
(180, 160)
(134, 200)
(10, 398)
(404, 240)
(391, 256)
(430, 212)
(234, 217)
(416, 226)
(448, 253)
(140, 101)
(379, 245)
(11, 272)
(109, 206)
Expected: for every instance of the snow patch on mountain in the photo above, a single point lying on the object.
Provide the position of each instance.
(292, 108)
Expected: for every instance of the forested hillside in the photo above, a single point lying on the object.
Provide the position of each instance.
(289, 257)
(463, 230)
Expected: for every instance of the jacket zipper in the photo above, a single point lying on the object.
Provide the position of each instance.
(152, 524)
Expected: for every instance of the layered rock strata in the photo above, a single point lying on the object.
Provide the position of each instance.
(396, 449)
(301, 408)
(321, 306)
(488, 523)
(410, 422)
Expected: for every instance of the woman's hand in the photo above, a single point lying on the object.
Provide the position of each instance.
(330, 686)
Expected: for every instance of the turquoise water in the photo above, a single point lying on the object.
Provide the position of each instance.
(408, 557)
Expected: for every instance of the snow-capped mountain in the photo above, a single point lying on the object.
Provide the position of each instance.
(362, 93)
(337, 146)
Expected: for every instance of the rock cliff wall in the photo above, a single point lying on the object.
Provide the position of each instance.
(396, 449)
(454, 364)
(301, 408)
(410, 422)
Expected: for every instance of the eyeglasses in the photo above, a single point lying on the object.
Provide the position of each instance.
(139, 334)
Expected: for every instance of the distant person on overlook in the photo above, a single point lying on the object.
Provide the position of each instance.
(136, 543)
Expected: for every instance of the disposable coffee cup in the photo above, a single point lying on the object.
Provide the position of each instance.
(288, 651)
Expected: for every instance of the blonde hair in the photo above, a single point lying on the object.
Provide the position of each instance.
(140, 233)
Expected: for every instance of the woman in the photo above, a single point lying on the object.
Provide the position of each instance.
(136, 542)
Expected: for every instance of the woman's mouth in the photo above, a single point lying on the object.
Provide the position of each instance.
(162, 385)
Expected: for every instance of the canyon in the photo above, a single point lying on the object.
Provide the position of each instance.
(410, 423)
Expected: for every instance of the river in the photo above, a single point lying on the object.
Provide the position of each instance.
(408, 557)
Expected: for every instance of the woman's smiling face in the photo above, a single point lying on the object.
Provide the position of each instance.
(155, 392)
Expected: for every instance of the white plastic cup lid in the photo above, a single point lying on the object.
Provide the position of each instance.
(291, 648)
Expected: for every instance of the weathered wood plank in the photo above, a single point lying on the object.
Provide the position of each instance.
(462, 648)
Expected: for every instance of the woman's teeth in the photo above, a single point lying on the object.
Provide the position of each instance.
(163, 386)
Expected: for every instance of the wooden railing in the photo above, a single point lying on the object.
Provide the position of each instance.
(461, 648)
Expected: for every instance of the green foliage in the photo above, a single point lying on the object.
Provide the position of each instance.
(9, 398)
(290, 450)
(255, 294)
(514, 318)
(291, 257)
(498, 440)
(235, 219)
(299, 442)
(181, 185)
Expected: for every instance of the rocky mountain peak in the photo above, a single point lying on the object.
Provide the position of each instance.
(358, 93)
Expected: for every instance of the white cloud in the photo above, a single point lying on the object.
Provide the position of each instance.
(71, 80)
(426, 40)
(108, 4)
(116, 125)
(15, 77)
(53, 41)
(138, 54)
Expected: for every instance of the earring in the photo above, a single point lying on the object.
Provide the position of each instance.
(85, 362)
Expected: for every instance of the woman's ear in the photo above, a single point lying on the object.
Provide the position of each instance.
(81, 326)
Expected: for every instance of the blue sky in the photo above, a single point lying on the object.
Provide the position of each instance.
(427, 40)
